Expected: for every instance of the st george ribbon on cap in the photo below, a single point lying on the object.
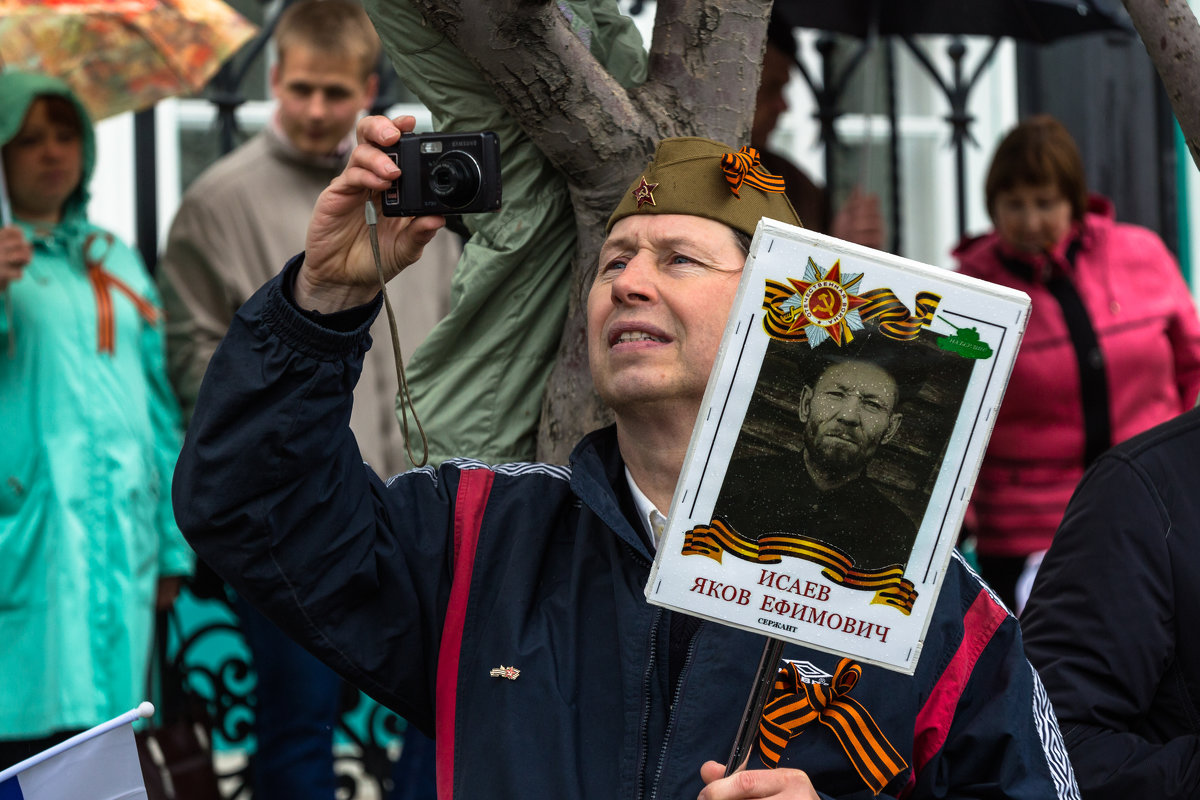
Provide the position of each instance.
(705, 178)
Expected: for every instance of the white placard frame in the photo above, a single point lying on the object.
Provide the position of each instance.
(801, 598)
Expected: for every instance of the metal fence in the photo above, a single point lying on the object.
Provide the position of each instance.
(208, 649)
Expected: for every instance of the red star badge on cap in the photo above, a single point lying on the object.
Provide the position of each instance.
(644, 193)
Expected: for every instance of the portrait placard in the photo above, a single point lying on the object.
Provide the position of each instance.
(841, 432)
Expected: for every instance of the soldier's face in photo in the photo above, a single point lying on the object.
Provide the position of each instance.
(847, 414)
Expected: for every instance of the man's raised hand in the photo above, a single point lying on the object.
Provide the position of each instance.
(339, 270)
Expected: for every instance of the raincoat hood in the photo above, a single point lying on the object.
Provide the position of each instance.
(18, 90)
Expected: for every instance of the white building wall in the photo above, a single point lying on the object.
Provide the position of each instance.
(112, 203)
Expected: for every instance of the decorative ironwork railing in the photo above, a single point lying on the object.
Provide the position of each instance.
(208, 649)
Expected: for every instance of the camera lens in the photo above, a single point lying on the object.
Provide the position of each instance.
(455, 179)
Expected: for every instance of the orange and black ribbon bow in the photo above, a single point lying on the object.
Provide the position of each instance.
(103, 282)
(744, 166)
(795, 704)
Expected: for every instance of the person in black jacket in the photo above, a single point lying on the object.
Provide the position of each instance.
(503, 607)
(1109, 622)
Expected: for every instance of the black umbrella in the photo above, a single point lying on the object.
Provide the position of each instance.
(1038, 21)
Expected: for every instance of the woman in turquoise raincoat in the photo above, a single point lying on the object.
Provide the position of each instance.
(89, 432)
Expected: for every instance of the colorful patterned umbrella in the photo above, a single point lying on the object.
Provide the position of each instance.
(121, 55)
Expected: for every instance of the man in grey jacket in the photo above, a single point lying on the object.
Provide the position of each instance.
(246, 215)
(238, 222)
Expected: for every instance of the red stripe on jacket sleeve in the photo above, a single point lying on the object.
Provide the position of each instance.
(932, 727)
(473, 489)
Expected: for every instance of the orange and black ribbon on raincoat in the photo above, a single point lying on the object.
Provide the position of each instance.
(795, 704)
(103, 282)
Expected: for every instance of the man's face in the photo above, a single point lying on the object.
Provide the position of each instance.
(847, 414)
(320, 97)
(657, 309)
(771, 101)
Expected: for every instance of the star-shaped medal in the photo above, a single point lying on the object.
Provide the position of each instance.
(644, 193)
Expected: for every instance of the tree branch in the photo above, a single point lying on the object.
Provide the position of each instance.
(706, 56)
(702, 78)
(548, 80)
(1171, 34)
(704, 65)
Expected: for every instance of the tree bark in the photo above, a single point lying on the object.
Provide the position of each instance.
(1171, 34)
(703, 78)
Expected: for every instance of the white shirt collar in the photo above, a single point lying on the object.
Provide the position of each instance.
(653, 522)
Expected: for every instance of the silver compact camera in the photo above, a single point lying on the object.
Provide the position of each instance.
(444, 173)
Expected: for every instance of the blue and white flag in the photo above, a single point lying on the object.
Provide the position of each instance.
(98, 764)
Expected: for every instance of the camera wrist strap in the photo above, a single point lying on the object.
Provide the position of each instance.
(404, 403)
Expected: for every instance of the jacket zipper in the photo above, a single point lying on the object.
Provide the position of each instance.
(644, 733)
(687, 662)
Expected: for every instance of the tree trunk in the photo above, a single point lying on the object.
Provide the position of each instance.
(703, 79)
(1172, 38)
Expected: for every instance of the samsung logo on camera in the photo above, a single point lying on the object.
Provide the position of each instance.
(437, 147)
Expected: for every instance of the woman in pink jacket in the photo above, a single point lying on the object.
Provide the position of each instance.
(1112, 347)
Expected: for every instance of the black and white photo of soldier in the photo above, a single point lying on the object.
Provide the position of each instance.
(806, 462)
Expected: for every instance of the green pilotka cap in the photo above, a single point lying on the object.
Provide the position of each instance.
(704, 178)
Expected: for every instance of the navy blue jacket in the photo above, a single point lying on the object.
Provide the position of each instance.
(1109, 623)
(422, 590)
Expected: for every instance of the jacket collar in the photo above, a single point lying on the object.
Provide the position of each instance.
(598, 479)
(285, 150)
(1041, 267)
(1084, 236)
